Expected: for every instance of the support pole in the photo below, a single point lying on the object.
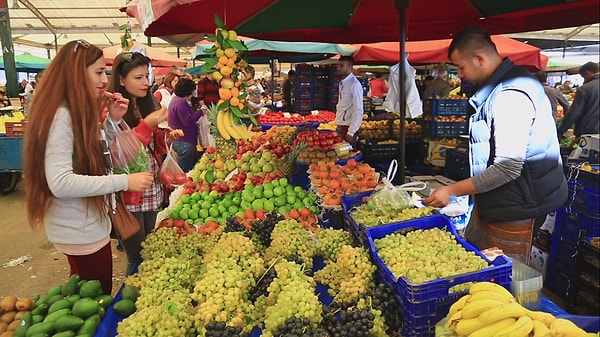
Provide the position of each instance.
(402, 6)
(8, 52)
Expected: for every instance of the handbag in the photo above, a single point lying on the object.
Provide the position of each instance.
(124, 224)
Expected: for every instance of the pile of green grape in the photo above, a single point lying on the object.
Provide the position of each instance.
(351, 275)
(425, 255)
(330, 242)
(289, 238)
(363, 214)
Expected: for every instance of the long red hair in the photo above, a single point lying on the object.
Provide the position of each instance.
(65, 82)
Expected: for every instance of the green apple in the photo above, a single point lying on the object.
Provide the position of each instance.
(248, 196)
(258, 193)
(233, 209)
(291, 199)
(214, 211)
(278, 191)
(257, 204)
(246, 205)
(268, 193)
(203, 213)
(267, 168)
(280, 201)
(237, 200)
(269, 205)
(283, 182)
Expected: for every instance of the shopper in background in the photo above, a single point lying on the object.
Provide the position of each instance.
(254, 89)
(131, 79)
(585, 110)
(182, 117)
(164, 94)
(349, 109)
(288, 91)
(69, 186)
(378, 89)
(554, 95)
(439, 86)
(158, 82)
(516, 169)
(208, 91)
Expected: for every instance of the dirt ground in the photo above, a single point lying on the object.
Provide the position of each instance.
(47, 267)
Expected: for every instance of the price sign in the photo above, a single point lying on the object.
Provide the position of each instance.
(263, 111)
(287, 115)
(314, 112)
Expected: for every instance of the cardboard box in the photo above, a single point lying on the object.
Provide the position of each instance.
(436, 152)
(538, 261)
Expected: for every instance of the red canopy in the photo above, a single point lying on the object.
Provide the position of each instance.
(425, 52)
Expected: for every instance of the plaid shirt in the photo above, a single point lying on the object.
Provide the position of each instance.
(154, 196)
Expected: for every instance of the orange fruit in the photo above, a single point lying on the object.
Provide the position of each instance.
(234, 101)
(219, 164)
(224, 94)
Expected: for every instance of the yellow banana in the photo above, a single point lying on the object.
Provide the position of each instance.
(231, 127)
(490, 329)
(540, 329)
(564, 328)
(502, 311)
(452, 320)
(489, 286)
(243, 131)
(467, 326)
(544, 317)
(492, 295)
(222, 125)
(521, 328)
(474, 309)
(458, 305)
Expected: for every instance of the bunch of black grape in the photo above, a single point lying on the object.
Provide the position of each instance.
(261, 287)
(351, 323)
(299, 327)
(220, 329)
(382, 298)
(233, 225)
(264, 228)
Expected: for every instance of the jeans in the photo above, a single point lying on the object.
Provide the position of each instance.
(133, 245)
(187, 155)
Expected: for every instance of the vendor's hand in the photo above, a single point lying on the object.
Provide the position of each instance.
(440, 197)
(157, 117)
(117, 106)
(139, 182)
(349, 139)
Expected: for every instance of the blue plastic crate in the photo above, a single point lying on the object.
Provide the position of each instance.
(303, 104)
(569, 222)
(304, 70)
(584, 198)
(303, 93)
(563, 249)
(11, 153)
(500, 269)
(448, 129)
(558, 282)
(445, 107)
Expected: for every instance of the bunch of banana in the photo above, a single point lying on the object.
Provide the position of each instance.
(228, 129)
(489, 310)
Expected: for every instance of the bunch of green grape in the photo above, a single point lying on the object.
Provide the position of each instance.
(174, 274)
(351, 275)
(173, 317)
(291, 294)
(161, 243)
(288, 239)
(231, 245)
(424, 255)
(330, 242)
(363, 214)
(194, 245)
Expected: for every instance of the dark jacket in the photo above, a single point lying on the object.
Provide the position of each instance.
(585, 110)
(541, 188)
(556, 97)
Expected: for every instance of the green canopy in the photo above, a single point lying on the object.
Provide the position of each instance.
(28, 63)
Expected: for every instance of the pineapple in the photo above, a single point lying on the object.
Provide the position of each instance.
(288, 165)
(226, 148)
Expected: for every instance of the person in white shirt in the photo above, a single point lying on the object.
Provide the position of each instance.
(349, 109)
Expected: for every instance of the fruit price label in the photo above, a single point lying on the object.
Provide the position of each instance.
(314, 112)
(287, 115)
(263, 111)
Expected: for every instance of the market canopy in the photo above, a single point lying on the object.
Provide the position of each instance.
(159, 58)
(27, 62)
(262, 51)
(183, 22)
(434, 51)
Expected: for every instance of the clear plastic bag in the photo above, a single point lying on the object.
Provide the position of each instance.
(204, 131)
(392, 198)
(171, 173)
(128, 153)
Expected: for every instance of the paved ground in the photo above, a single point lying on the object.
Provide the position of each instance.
(47, 266)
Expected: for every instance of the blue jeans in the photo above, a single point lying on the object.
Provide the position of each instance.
(187, 155)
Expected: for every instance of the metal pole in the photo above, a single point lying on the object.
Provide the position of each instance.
(8, 52)
(402, 6)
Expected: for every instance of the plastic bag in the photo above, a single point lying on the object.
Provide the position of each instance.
(392, 198)
(204, 131)
(171, 173)
(128, 153)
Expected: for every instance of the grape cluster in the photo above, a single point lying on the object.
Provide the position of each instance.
(264, 228)
(351, 323)
(298, 327)
(161, 243)
(363, 214)
(233, 225)
(172, 317)
(289, 238)
(424, 255)
(220, 329)
(330, 242)
(351, 275)
(382, 298)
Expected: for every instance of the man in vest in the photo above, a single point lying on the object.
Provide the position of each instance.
(516, 168)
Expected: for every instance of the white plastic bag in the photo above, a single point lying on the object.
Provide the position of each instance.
(392, 198)
(203, 131)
